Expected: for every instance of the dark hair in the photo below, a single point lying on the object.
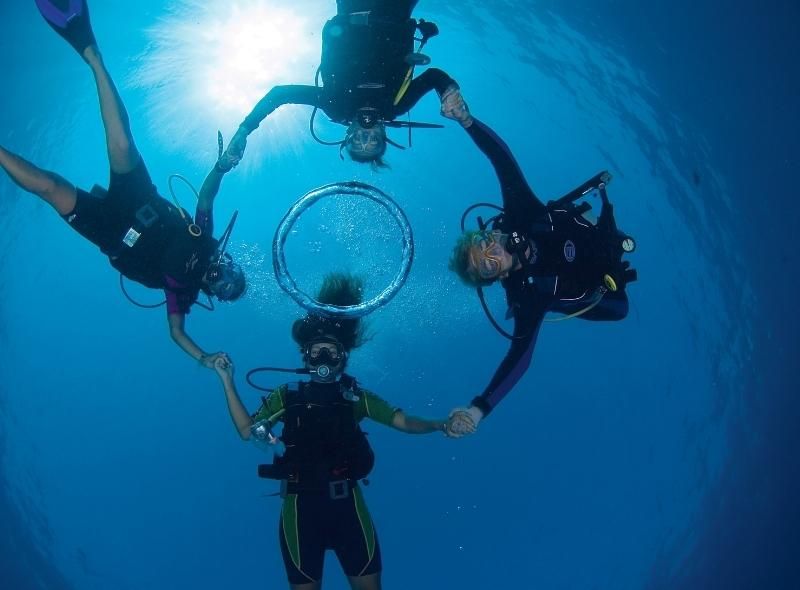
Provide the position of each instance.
(377, 163)
(460, 264)
(337, 289)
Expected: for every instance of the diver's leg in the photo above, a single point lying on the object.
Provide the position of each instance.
(370, 582)
(301, 535)
(356, 542)
(122, 153)
(48, 186)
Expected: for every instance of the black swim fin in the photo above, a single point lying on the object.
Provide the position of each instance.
(70, 19)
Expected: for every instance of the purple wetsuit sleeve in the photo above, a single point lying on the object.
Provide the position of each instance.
(518, 198)
(178, 302)
(527, 321)
(279, 96)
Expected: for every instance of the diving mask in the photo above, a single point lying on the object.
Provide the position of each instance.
(324, 358)
(225, 278)
(486, 254)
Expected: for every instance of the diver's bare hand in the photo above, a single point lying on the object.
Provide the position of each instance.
(454, 107)
(236, 147)
(223, 366)
(209, 360)
(227, 162)
(463, 421)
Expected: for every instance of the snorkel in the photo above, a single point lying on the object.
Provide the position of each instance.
(223, 276)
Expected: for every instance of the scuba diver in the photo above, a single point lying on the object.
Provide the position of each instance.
(548, 258)
(322, 453)
(145, 237)
(367, 71)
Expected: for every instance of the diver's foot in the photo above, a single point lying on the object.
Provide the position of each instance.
(72, 23)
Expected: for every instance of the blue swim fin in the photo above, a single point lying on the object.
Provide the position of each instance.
(70, 19)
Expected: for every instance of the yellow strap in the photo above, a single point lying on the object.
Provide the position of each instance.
(404, 86)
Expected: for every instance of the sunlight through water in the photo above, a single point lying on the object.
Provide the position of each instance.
(208, 64)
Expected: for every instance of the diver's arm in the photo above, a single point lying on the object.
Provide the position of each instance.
(241, 419)
(416, 425)
(430, 79)
(279, 96)
(210, 189)
(527, 321)
(517, 194)
(204, 214)
(176, 322)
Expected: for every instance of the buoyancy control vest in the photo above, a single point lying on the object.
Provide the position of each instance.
(363, 62)
(323, 440)
(163, 247)
(565, 256)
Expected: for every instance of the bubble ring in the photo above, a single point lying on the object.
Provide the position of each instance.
(357, 189)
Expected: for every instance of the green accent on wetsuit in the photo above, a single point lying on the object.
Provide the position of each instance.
(290, 529)
(368, 405)
(366, 522)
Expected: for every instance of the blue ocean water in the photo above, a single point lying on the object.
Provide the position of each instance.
(659, 452)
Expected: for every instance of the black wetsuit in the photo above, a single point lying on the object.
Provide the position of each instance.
(165, 255)
(363, 66)
(563, 273)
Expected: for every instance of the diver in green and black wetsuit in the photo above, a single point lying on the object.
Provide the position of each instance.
(367, 69)
(326, 453)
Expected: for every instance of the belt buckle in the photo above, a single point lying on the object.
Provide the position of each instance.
(338, 489)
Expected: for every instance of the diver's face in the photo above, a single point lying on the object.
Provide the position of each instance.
(325, 360)
(221, 278)
(366, 141)
(320, 350)
(488, 257)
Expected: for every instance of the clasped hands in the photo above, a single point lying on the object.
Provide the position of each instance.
(463, 421)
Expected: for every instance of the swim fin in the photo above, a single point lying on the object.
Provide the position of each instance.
(70, 19)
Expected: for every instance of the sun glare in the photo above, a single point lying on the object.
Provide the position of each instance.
(254, 48)
(208, 63)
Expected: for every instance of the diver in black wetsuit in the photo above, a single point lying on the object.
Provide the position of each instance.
(367, 75)
(144, 236)
(548, 258)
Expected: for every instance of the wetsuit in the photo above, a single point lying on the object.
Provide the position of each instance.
(363, 65)
(324, 507)
(563, 271)
(165, 256)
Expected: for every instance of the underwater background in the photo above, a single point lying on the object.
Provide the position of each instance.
(655, 453)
